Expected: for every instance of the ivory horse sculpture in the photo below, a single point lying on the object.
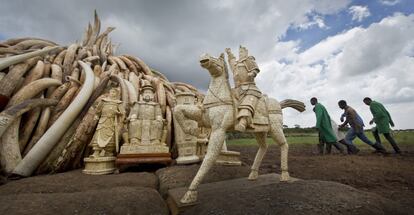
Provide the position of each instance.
(219, 114)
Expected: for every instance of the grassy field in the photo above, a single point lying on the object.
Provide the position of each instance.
(402, 137)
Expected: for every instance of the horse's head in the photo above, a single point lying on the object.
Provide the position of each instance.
(216, 66)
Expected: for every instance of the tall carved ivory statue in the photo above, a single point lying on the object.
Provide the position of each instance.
(147, 131)
(219, 110)
(106, 137)
(105, 141)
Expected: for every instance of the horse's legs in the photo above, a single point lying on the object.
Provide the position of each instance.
(276, 132)
(214, 147)
(261, 140)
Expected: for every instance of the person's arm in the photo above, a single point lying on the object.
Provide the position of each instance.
(231, 59)
(343, 116)
(98, 110)
(347, 116)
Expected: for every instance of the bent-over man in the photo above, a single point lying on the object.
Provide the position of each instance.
(357, 127)
(383, 120)
(324, 126)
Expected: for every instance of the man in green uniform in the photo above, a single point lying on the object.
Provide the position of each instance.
(324, 126)
(383, 121)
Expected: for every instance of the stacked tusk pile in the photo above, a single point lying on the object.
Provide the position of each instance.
(48, 95)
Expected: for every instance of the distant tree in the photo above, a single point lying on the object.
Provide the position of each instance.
(297, 126)
(285, 126)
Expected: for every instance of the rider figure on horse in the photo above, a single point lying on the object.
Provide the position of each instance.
(244, 71)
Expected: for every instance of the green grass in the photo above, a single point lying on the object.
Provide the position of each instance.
(402, 137)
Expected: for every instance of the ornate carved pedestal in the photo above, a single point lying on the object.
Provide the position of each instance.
(99, 165)
(138, 154)
(186, 143)
(229, 158)
(135, 159)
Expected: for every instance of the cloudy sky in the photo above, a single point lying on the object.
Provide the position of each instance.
(330, 49)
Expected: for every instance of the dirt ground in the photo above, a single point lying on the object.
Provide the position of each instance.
(390, 176)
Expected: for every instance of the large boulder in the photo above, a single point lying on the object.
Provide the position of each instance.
(77, 193)
(268, 196)
(117, 200)
(180, 176)
(76, 181)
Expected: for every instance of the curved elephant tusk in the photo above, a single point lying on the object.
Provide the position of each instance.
(124, 90)
(132, 93)
(33, 89)
(9, 146)
(8, 116)
(41, 149)
(8, 61)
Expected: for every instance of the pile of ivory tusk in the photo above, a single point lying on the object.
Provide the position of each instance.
(48, 95)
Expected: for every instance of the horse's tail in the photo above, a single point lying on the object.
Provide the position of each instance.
(295, 104)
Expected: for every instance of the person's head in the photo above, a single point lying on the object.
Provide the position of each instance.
(367, 100)
(113, 93)
(342, 104)
(313, 101)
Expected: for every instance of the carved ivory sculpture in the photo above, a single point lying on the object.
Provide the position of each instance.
(105, 140)
(145, 141)
(219, 111)
(146, 130)
(192, 146)
(186, 142)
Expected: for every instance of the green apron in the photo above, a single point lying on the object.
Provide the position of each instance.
(381, 117)
(323, 123)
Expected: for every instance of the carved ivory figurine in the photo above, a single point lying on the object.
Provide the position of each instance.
(106, 137)
(219, 111)
(244, 71)
(146, 129)
(105, 140)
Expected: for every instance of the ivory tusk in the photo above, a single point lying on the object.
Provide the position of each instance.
(132, 94)
(8, 61)
(55, 132)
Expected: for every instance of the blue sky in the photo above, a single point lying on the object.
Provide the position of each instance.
(342, 21)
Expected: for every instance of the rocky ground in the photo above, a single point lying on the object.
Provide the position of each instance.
(378, 185)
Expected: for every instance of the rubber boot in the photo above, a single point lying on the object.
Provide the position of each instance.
(339, 147)
(379, 148)
(353, 149)
(320, 148)
(393, 143)
(328, 148)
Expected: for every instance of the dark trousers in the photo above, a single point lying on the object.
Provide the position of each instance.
(327, 147)
(351, 148)
(389, 138)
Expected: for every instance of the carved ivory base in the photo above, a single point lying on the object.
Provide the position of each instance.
(187, 159)
(229, 158)
(143, 149)
(135, 159)
(99, 165)
(187, 153)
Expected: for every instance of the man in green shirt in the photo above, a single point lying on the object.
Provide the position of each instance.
(382, 119)
(324, 126)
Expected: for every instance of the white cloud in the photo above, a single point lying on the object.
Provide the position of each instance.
(359, 12)
(373, 61)
(316, 20)
(390, 2)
